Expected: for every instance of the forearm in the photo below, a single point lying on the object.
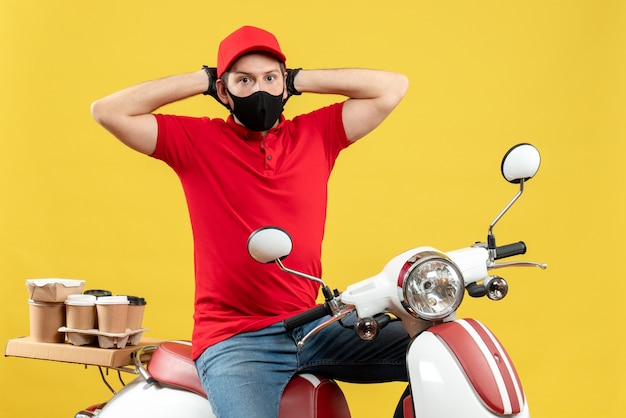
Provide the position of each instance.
(147, 97)
(354, 83)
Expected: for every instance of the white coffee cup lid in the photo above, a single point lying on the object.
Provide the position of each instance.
(112, 300)
(80, 300)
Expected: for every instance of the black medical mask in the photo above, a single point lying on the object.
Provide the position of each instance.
(259, 111)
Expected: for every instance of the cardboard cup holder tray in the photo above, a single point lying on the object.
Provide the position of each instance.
(105, 339)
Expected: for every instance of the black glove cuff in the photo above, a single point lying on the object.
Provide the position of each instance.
(210, 89)
(291, 75)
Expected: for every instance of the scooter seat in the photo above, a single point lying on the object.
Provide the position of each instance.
(312, 396)
(306, 395)
(171, 365)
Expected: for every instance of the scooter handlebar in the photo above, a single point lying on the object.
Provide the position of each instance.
(509, 250)
(307, 316)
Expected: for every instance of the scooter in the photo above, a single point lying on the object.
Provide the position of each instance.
(422, 287)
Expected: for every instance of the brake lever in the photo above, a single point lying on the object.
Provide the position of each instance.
(492, 265)
(341, 314)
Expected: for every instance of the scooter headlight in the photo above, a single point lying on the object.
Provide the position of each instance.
(430, 286)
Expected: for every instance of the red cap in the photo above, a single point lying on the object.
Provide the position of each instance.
(243, 40)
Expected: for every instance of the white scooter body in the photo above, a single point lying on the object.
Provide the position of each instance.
(139, 398)
(459, 369)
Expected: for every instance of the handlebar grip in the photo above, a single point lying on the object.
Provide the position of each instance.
(509, 250)
(305, 317)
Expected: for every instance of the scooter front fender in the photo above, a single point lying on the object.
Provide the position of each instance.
(140, 399)
(459, 368)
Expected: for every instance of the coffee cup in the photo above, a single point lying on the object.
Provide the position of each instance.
(97, 293)
(80, 311)
(136, 307)
(45, 320)
(112, 314)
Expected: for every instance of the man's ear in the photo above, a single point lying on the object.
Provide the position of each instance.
(221, 92)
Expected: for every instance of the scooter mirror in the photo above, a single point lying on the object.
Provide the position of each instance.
(268, 244)
(520, 163)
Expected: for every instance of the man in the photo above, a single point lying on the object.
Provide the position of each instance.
(256, 169)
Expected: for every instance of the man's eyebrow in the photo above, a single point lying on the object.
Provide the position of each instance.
(247, 73)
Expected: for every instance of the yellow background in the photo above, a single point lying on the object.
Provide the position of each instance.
(484, 75)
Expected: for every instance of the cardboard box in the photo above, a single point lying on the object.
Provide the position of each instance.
(68, 353)
(53, 290)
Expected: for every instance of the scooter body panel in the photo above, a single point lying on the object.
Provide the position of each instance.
(457, 371)
(140, 399)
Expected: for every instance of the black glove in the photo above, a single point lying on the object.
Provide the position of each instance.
(291, 88)
(211, 73)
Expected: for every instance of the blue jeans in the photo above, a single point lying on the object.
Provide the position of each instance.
(245, 375)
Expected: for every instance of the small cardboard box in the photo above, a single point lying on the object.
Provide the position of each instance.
(68, 353)
(53, 290)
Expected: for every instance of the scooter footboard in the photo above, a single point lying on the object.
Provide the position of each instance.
(459, 368)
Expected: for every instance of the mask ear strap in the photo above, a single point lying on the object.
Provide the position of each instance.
(227, 106)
